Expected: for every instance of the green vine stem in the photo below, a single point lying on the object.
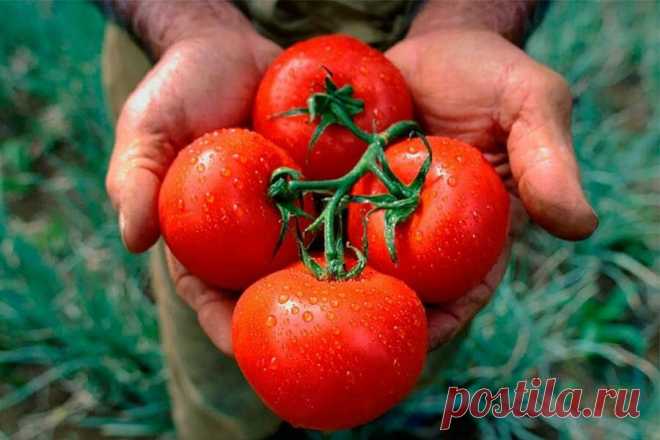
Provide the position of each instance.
(287, 188)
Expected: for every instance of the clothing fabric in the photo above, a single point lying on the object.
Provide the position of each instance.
(380, 23)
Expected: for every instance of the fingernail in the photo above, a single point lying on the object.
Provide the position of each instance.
(122, 227)
(596, 219)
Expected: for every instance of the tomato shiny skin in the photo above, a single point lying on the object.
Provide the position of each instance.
(299, 71)
(214, 211)
(448, 245)
(329, 355)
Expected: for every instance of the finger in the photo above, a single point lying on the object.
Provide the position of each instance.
(517, 217)
(500, 161)
(214, 308)
(137, 167)
(541, 154)
(139, 161)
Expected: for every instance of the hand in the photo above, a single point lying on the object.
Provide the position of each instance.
(476, 86)
(200, 83)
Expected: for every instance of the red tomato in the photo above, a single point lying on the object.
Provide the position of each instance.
(214, 211)
(299, 71)
(329, 354)
(459, 229)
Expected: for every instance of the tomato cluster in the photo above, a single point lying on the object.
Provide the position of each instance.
(333, 342)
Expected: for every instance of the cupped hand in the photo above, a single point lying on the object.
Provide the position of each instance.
(476, 86)
(201, 83)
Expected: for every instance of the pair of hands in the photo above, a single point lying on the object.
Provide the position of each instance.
(469, 84)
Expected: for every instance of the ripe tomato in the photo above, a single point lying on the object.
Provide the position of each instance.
(329, 354)
(299, 71)
(458, 231)
(214, 211)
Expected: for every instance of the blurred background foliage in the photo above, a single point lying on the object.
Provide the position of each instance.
(79, 354)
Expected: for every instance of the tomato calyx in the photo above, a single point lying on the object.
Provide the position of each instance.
(289, 205)
(337, 106)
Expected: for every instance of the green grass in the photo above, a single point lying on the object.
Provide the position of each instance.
(76, 328)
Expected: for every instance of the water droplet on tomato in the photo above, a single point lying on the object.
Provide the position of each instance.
(459, 158)
(209, 197)
(330, 315)
(226, 172)
(313, 300)
(271, 321)
(295, 310)
(181, 205)
(451, 181)
(307, 316)
(283, 298)
(334, 303)
(418, 236)
(200, 167)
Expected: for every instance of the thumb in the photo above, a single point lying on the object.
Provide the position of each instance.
(541, 155)
(138, 165)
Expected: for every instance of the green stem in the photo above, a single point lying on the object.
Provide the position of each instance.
(334, 265)
(393, 186)
(399, 129)
(337, 106)
(346, 121)
(342, 187)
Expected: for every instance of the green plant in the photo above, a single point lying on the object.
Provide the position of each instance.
(72, 311)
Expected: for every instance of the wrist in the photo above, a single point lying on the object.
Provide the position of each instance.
(512, 19)
(158, 25)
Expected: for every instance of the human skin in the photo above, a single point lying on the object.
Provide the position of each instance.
(470, 81)
(209, 63)
(468, 78)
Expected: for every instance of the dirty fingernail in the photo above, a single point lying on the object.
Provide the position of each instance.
(122, 227)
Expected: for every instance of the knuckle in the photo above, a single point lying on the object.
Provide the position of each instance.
(556, 87)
